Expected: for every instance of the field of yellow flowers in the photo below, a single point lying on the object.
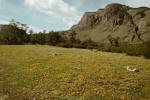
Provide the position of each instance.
(35, 72)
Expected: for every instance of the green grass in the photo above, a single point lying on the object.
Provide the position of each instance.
(33, 72)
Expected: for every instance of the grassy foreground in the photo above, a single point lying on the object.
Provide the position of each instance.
(34, 72)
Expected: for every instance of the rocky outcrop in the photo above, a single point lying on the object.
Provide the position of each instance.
(111, 16)
(89, 19)
(116, 14)
(116, 20)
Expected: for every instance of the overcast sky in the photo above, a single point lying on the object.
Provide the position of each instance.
(54, 14)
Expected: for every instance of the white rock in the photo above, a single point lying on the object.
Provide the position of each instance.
(56, 54)
(132, 70)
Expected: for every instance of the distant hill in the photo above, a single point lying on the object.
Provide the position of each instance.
(130, 25)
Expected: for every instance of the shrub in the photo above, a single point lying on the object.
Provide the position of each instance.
(129, 49)
(54, 38)
(65, 45)
(147, 50)
(141, 13)
(89, 44)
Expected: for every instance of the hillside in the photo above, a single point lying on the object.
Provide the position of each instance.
(41, 72)
(131, 25)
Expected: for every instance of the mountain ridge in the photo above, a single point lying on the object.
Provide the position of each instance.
(131, 25)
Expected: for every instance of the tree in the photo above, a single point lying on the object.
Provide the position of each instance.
(109, 37)
(113, 41)
(13, 34)
(54, 38)
(88, 44)
(41, 38)
(116, 41)
(73, 36)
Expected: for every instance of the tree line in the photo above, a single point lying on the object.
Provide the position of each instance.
(18, 33)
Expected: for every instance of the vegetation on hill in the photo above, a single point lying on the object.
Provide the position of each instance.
(17, 34)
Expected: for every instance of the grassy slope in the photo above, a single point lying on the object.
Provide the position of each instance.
(98, 34)
(32, 72)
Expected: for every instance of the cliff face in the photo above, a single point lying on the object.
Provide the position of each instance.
(89, 19)
(116, 20)
(116, 14)
(112, 15)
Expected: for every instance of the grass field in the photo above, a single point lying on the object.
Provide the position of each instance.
(35, 72)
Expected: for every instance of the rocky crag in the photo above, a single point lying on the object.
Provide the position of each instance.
(131, 25)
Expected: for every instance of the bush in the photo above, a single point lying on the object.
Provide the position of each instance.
(147, 50)
(89, 44)
(114, 49)
(129, 49)
(65, 45)
(141, 13)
